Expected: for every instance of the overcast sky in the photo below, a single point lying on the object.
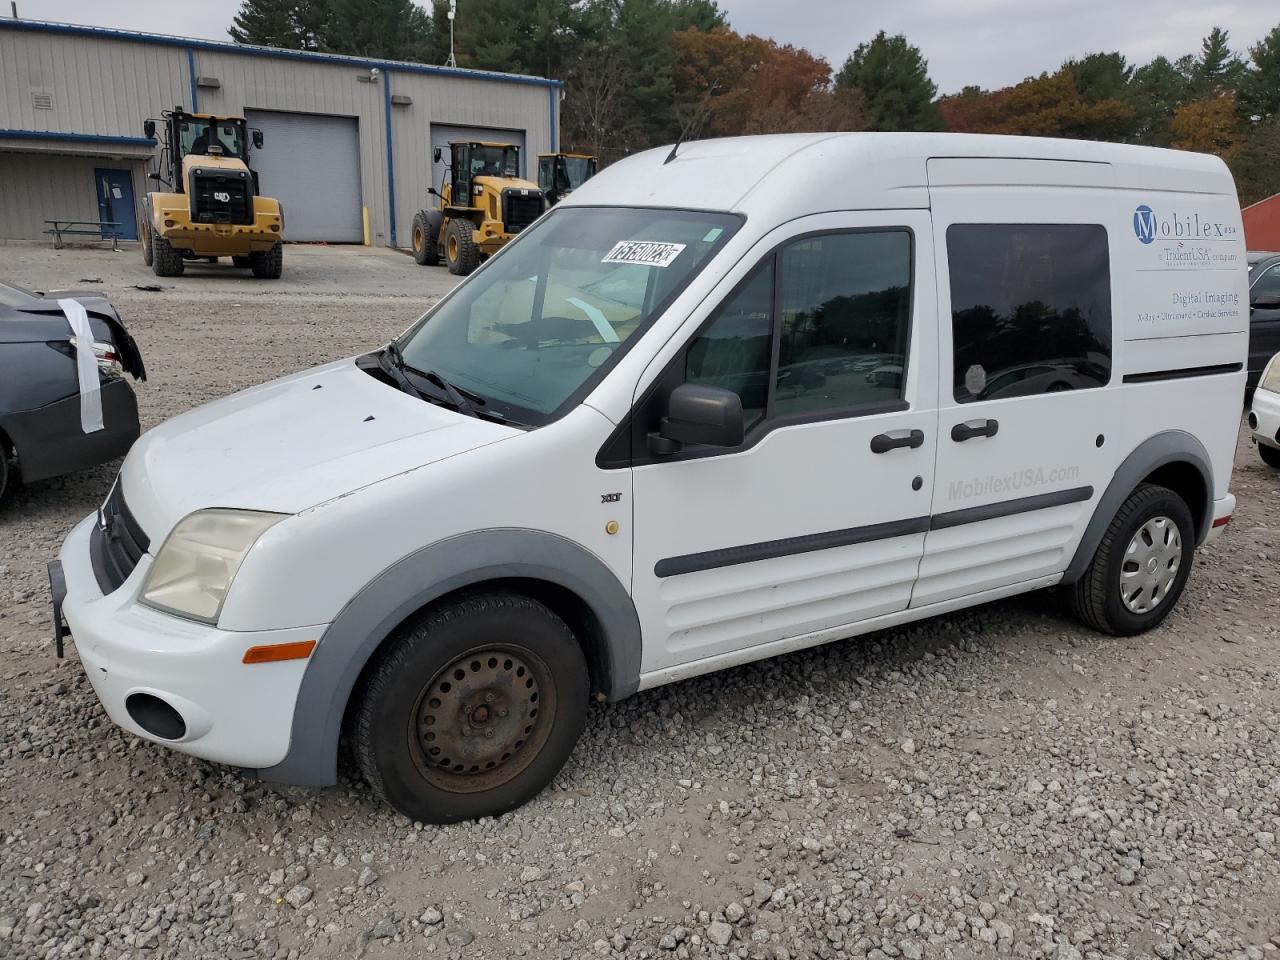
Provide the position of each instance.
(989, 42)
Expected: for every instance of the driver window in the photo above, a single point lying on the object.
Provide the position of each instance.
(1267, 289)
(735, 349)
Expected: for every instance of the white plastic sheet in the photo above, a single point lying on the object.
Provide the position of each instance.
(86, 365)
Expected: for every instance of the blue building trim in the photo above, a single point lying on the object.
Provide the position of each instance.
(391, 159)
(552, 95)
(76, 138)
(105, 33)
(191, 74)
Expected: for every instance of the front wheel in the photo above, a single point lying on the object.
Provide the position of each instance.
(425, 235)
(166, 260)
(460, 247)
(268, 264)
(1141, 564)
(1270, 455)
(471, 710)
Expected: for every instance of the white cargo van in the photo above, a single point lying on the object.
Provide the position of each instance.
(724, 402)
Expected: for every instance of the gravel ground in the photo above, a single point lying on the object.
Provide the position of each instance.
(1000, 782)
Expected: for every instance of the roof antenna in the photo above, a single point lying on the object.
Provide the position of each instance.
(672, 155)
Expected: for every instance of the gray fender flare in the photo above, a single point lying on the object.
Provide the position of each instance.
(1171, 446)
(415, 581)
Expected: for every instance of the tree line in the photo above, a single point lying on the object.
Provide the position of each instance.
(644, 72)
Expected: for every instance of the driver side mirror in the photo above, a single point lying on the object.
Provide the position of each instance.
(154, 176)
(433, 192)
(257, 139)
(436, 156)
(697, 413)
(149, 129)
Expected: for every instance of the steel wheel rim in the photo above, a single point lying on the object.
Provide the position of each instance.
(482, 719)
(1151, 564)
(453, 248)
(417, 238)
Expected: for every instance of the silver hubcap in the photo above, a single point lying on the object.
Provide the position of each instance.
(1151, 564)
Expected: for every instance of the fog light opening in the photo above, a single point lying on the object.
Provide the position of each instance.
(155, 716)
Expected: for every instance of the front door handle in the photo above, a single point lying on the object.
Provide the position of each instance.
(974, 428)
(884, 442)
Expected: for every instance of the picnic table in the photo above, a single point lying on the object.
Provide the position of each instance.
(89, 228)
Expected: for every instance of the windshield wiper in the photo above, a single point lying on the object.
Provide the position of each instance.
(392, 363)
(455, 396)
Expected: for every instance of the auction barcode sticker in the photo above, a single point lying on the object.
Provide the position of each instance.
(649, 253)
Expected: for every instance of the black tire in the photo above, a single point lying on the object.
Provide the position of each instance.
(1270, 455)
(426, 250)
(146, 247)
(1098, 599)
(269, 264)
(165, 260)
(241, 262)
(502, 653)
(8, 475)
(460, 247)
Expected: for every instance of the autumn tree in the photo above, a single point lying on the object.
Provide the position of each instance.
(1050, 105)
(1256, 163)
(893, 78)
(1207, 125)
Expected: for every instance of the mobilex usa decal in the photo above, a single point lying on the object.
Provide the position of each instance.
(1149, 226)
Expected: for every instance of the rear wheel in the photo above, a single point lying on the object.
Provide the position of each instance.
(6, 469)
(241, 262)
(268, 264)
(472, 710)
(1270, 455)
(1141, 565)
(460, 247)
(425, 249)
(166, 261)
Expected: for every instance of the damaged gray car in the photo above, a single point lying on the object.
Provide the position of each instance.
(52, 420)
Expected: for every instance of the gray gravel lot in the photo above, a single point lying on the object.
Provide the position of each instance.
(1000, 782)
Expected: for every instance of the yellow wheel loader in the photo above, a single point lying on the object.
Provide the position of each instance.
(559, 174)
(483, 204)
(212, 208)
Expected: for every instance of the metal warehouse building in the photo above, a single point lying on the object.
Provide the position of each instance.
(346, 138)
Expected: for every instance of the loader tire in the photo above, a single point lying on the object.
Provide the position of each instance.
(241, 262)
(426, 250)
(166, 261)
(269, 264)
(460, 247)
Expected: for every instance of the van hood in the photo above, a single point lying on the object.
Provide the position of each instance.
(290, 444)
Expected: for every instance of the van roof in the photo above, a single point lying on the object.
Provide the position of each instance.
(803, 173)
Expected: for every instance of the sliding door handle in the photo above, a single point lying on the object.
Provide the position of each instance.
(974, 428)
(884, 442)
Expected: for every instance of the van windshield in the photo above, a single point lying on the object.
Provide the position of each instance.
(540, 325)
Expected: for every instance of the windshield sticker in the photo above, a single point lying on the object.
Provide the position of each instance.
(975, 379)
(648, 253)
(713, 234)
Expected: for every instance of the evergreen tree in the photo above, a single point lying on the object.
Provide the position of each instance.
(1217, 70)
(271, 23)
(1260, 91)
(893, 78)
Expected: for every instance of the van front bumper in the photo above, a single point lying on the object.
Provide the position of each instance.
(231, 712)
(1264, 418)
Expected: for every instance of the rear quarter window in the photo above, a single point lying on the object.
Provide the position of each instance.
(1030, 309)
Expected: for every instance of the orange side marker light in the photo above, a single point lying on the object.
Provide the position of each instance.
(275, 652)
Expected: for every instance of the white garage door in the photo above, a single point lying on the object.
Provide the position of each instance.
(311, 163)
(442, 134)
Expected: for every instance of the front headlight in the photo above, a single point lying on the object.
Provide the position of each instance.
(195, 567)
(1271, 375)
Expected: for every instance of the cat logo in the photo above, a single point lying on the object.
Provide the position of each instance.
(222, 196)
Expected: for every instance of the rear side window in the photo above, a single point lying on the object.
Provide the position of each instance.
(1267, 287)
(1030, 308)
